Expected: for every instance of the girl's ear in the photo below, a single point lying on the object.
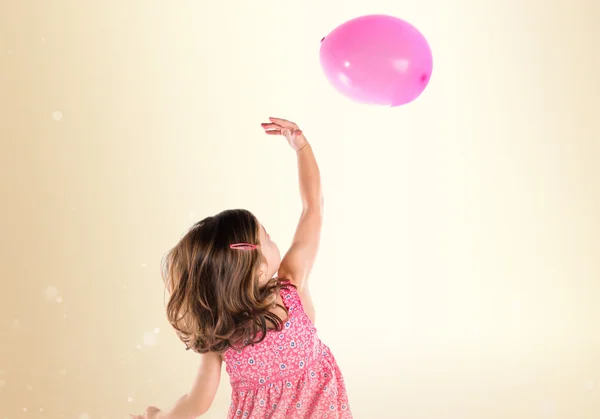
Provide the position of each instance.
(262, 276)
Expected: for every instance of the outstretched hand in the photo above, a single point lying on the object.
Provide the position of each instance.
(151, 413)
(287, 129)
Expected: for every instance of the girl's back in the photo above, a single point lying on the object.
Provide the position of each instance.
(228, 304)
(290, 374)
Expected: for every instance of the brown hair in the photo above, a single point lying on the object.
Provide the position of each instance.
(216, 301)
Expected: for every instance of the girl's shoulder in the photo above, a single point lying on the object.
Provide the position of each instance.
(297, 302)
(288, 292)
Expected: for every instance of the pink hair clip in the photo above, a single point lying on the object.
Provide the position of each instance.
(242, 246)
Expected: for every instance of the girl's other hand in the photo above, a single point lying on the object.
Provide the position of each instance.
(289, 130)
(151, 413)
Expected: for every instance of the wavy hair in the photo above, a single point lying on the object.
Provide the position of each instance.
(216, 300)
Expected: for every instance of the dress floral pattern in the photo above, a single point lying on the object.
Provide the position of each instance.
(290, 374)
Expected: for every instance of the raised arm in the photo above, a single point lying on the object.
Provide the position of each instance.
(300, 258)
(199, 399)
(297, 263)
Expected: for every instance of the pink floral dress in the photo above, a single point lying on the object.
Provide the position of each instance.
(290, 374)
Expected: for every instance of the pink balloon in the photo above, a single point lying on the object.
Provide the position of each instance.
(377, 59)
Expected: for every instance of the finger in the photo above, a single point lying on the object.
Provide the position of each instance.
(284, 123)
(271, 126)
(274, 132)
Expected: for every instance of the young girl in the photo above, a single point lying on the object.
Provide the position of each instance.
(234, 300)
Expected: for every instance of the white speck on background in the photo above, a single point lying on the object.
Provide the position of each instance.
(144, 265)
(589, 385)
(15, 324)
(129, 399)
(51, 292)
(84, 415)
(2, 383)
(29, 387)
(138, 346)
(149, 339)
(156, 330)
(549, 408)
(59, 300)
(63, 372)
(57, 115)
(25, 410)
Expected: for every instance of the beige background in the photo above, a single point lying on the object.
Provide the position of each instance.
(459, 275)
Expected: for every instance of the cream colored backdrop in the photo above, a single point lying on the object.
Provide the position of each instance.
(459, 273)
